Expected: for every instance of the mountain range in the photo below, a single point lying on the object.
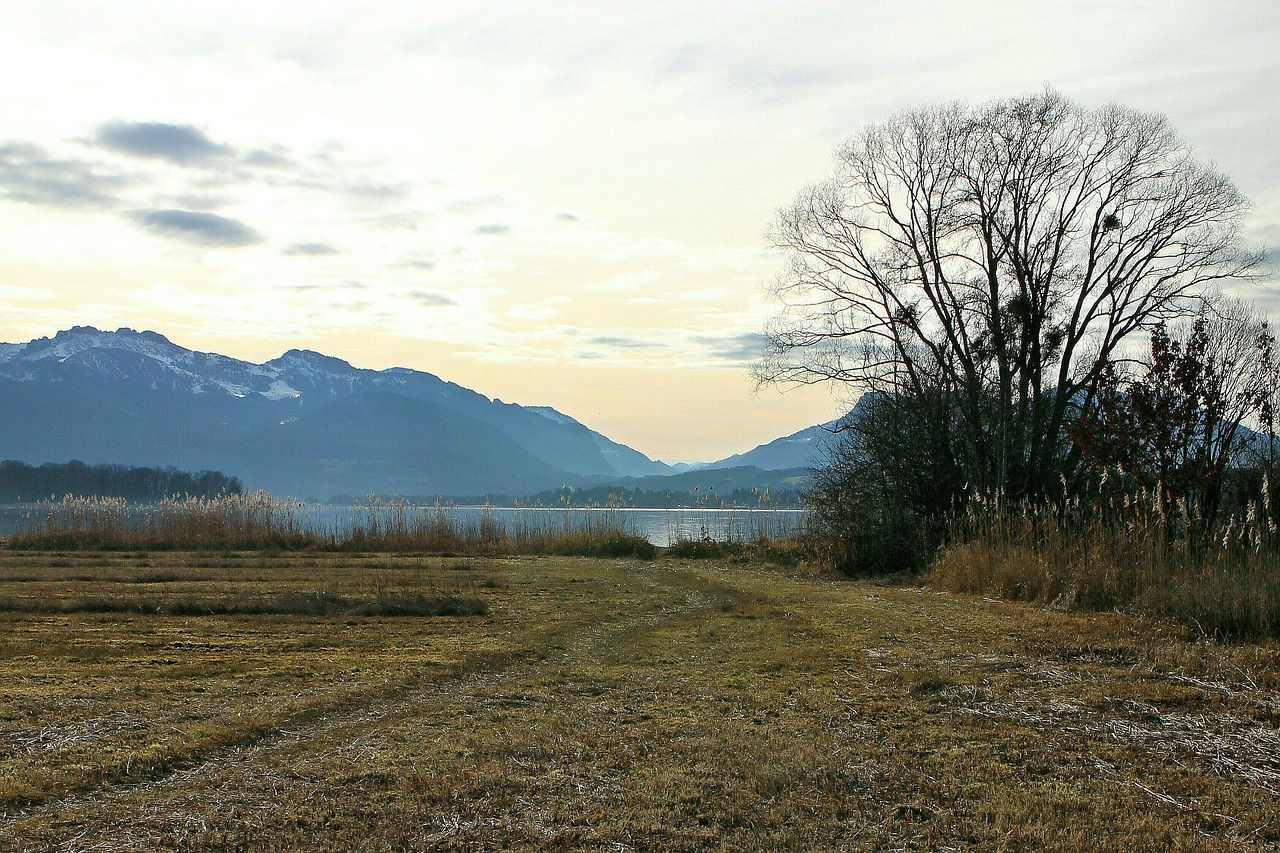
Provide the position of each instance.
(305, 423)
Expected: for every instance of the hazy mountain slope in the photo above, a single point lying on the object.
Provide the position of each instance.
(803, 449)
(707, 481)
(623, 460)
(381, 442)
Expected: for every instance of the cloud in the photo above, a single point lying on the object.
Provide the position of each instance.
(706, 294)
(341, 181)
(178, 143)
(743, 349)
(624, 282)
(275, 157)
(348, 284)
(532, 312)
(310, 249)
(28, 173)
(476, 204)
(493, 228)
(17, 291)
(416, 262)
(431, 297)
(198, 227)
(401, 220)
(625, 343)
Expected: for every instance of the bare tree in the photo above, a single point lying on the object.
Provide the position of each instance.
(998, 256)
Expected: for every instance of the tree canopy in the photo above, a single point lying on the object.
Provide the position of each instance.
(20, 482)
(992, 260)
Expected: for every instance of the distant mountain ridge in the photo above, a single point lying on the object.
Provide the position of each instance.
(807, 448)
(304, 423)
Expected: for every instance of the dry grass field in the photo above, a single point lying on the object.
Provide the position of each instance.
(258, 701)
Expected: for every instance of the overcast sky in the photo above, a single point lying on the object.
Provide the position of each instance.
(555, 203)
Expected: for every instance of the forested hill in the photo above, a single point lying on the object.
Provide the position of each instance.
(20, 482)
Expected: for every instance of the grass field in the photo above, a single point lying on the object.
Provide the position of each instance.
(205, 702)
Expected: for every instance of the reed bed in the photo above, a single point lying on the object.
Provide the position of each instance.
(734, 526)
(736, 534)
(261, 521)
(1129, 552)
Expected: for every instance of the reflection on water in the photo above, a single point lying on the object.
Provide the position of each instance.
(659, 526)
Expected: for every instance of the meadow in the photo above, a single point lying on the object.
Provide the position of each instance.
(278, 700)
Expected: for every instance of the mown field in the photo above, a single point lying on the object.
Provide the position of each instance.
(258, 701)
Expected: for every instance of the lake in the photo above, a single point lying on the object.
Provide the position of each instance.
(659, 526)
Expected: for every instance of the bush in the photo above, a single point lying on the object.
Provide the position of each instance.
(702, 549)
(875, 506)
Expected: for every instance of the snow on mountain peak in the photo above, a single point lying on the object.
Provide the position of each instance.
(200, 372)
(310, 363)
(78, 339)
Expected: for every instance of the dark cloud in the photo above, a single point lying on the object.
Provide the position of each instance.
(745, 348)
(625, 343)
(431, 297)
(416, 264)
(194, 200)
(177, 143)
(493, 228)
(313, 249)
(28, 173)
(198, 227)
(275, 157)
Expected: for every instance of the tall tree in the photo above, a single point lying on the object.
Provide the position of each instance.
(1177, 424)
(996, 257)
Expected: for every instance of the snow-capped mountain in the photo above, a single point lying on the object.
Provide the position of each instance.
(303, 423)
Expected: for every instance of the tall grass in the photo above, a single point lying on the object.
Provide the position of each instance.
(1131, 552)
(261, 521)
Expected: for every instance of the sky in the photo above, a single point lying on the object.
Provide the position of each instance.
(553, 203)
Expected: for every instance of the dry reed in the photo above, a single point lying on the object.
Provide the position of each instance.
(260, 521)
(1129, 552)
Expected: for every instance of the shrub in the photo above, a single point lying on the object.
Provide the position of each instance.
(702, 549)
